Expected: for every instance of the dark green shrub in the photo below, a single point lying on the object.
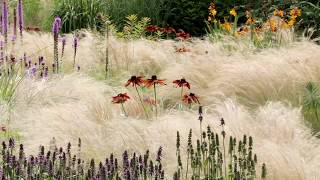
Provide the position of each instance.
(189, 15)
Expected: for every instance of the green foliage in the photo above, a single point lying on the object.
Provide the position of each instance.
(134, 27)
(311, 105)
(118, 10)
(310, 16)
(189, 15)
(78, 14)
(8, 84)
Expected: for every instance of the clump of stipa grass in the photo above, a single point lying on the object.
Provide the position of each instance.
(211, 158)
(60, 163)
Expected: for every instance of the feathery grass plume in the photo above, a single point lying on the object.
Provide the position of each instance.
(75, 48)
(152, 82)
(55, 31)
(5, 21)
(20, 18)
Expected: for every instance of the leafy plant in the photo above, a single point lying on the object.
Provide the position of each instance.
(134, 27)
(189, 15)
(311, 105)
(78, 14)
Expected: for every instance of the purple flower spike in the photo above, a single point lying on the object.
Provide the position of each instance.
(5, 19)
(56, 26)
(20, 16)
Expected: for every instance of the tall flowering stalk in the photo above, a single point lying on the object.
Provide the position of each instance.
(15, 22)
(5, 21)
(55, 31)
(75, 47)
(20, 18)
(64, 41)
(152, 83)
(136, 81)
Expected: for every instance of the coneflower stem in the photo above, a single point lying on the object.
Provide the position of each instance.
(155, 99)
(182, 92)
(144, 109)
(124, 111)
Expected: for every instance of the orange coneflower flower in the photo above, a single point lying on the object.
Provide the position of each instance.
(135, 81)
(153, 81)
(191, 98)
(152, 28)
(181, 35)
(120, 99)
(181, 83)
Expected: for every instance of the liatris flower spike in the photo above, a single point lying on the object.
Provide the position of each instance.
(5, 21)
(20, 17)
(75, 47)
(55, 31)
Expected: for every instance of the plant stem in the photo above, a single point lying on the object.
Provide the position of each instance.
(144, 109)
(124, 111)
(107, 52)
(155, 99)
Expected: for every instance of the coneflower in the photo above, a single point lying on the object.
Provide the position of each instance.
(55, 31)
(75, 47)
(5, 21)
(20, 17)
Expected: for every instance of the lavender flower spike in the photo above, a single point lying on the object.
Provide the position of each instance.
(75, 46)
(5, 20)
(20, 17)
(56, 26)
(55, 30)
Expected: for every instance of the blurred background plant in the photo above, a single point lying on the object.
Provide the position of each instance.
(311, 106)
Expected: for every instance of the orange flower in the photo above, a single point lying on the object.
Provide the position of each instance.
(182, 83)
(227, 26)
(191, 98)
(233, 12)
(279, 13)
(183, 35)
(295, 12)
(152, 28)
(153, 81)
(135, 81)
(120, 98)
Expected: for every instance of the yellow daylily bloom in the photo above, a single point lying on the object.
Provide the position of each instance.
(233, 12)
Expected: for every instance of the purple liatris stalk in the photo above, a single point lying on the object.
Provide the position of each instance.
(15, 22)
(20, 17)
(5, 21)
(55, 31)
(75, 46)
(64, 41)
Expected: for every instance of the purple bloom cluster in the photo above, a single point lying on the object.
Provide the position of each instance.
(56, 26)
(58, 163)
(5, 19)
(20, 16)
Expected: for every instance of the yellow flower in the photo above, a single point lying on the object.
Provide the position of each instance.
(279, 13)
(291, 23)
(250, 21)
(227, 26)
(233, 12)
(213, 12)
(209, 19)
(273, 25)
(295, 12)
